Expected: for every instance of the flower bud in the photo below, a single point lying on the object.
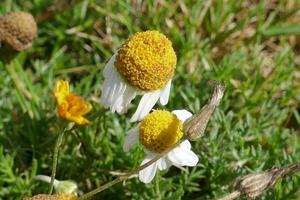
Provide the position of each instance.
(195, 126)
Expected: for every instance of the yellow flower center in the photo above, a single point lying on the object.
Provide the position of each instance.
(52, 197)
(160, 130)
(147, 60)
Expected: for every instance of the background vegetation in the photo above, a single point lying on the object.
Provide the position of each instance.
(250, 46)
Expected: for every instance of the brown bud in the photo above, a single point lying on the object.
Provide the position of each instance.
(195, 126)
(253, 185)
(52, 197)
(18, 29)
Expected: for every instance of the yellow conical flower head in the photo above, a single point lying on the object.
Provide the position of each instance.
(147, 60)
(160, 130)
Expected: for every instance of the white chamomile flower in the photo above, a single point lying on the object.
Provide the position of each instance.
(144, 65)
(157, 132)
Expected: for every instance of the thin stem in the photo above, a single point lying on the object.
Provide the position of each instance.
(55, 158)
(127, 175)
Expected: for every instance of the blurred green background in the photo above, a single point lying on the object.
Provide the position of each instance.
(250, 46)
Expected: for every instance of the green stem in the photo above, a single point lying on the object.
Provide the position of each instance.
(55, 158)
(103, 187)
(127, 175)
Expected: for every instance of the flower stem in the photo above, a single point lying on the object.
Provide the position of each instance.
(127, 175)
(55, 158)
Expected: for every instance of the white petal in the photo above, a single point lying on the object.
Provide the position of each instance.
(163, 164)
(116, 87)
(182, 156)
(185, 145)
(164, 98)
(124, 100)
(131, 138)
(182, 114)
(109, 87)
(146, 175)
(106, 87)
(116, 93)
(146, 104)
(116, 103)
(108, 67)
(46, 179)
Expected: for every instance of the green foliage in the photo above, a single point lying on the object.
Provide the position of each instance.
(250, 47)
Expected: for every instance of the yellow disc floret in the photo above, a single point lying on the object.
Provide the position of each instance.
(147, 60)
(160, 130)
(52, 197)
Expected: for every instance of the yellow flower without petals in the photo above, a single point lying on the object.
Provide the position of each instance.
(70, 106)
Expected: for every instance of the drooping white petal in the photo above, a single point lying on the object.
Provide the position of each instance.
(116, 86)
(124, 100)
(182, 156)
(182, 114)
(131, 138)
(108, 88)
(108, 67)
(164, 98)
(146, 175)
(116, 103)
(146, 104)
(116, 93)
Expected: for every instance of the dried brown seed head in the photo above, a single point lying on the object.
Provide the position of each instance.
(253, 185)
(195, 126)
(18, 29)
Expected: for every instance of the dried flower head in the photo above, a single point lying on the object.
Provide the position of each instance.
(195, 126)
(70, 106)
(18, 29)
(252, 185)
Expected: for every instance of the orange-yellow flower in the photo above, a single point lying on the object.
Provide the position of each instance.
(70, 106)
